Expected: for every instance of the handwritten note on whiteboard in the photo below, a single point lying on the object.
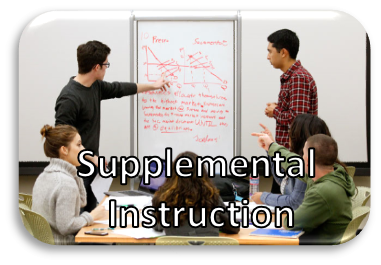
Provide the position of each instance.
(197, 112)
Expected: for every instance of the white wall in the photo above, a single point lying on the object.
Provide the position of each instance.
(332, 48)
(48, 58)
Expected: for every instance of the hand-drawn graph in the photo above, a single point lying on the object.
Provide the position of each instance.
(189, 69)
(197, 112)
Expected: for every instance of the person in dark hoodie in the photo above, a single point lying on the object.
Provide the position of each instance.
(326, 209)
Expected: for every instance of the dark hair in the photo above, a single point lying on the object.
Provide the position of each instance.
(61, 135)
(325, 149)
(285, 39)
(186, 192)
(302, 128)
(91, 54)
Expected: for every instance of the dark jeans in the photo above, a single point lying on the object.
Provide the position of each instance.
(310, 239)
(91, 200)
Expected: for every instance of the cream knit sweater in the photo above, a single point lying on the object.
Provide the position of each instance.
(58, 195)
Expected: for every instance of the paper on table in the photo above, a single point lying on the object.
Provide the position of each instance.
(106, 222)
(100, 186)
(128, 220)
(138, 233)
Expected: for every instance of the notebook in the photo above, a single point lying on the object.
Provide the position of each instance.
(143, 190)
(277, 233)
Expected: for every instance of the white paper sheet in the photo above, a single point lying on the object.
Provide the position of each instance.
(106, 222)
(138, 233)
(100, 186)
(128, 221)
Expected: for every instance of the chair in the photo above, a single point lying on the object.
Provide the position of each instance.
(358, 216)
(351, 171)
(361, 197)
(39, 227)
(25, 199)
(195, 241)
(23, 217)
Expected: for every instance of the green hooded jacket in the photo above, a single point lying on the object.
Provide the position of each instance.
(327, 208)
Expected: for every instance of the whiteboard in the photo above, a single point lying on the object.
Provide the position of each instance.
(197, 113)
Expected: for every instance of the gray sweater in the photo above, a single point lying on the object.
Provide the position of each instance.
(58, 195)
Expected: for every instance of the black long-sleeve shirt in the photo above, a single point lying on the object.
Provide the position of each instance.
(80, 107)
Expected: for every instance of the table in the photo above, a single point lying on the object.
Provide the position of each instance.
(243, 237)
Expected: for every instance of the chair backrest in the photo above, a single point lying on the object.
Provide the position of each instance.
(195, 241)
(25, 199)
(25, 202)
(39, 226)
(23, 218)
(351, 171)
(358, 216)
(361, 197)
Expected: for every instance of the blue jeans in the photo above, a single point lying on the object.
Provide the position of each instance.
(293, 194)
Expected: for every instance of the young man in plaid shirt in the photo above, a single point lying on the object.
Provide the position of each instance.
(298, 91)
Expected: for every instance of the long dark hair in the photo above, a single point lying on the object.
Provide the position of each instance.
(187, 192)
(303, 127)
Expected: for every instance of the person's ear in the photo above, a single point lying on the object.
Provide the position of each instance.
(284, 53)
(64, 151)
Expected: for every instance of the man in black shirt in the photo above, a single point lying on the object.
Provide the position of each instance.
(79, 103)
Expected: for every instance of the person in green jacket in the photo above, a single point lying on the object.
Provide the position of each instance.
(326, 209)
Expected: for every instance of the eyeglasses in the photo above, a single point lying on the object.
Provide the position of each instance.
(107, 64)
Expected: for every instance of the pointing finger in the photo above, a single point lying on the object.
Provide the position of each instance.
(263, 126)
(257, 134)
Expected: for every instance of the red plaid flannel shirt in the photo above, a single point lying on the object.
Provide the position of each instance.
(298, 95)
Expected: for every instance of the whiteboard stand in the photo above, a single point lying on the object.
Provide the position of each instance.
(213, 30)
(132, 98)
